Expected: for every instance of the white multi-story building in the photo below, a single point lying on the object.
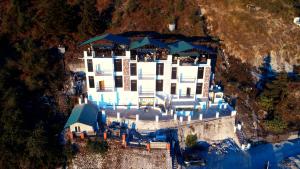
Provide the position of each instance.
(147, 72)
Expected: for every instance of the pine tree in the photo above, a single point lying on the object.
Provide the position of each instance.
(91, 22)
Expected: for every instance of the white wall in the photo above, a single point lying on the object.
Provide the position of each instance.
(148, 84)
(83, 127)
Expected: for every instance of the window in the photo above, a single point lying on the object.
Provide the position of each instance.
(159, 69)
(78, 128)
(173, 88)
(91, 82)
(174, 72)
(159, 85)
(118, 81)
(133, 69)
(133, 85)
(118, 65)
(90, 65)
(199, 88)
(200, 72)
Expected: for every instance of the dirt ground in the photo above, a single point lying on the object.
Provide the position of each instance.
(123, 158)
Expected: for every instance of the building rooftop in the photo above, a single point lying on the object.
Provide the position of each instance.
(83, 113)
(147, 41)
(179, 47)
(109, 37)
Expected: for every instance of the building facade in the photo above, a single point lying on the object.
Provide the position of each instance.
(146, 72)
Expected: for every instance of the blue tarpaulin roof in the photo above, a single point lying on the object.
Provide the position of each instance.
(83, 113)
(108, 37)
(147, 41)
(182, 46)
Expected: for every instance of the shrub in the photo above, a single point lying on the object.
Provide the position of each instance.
(131, 6)
(191, 140)
(276, 125)
(181, 5)
(97, 146)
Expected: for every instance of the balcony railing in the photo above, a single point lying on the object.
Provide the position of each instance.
(103, 73)
(146, 93)
(106, 89)
(192, 62)
(186, 97)
(187, 80)
(147, 76)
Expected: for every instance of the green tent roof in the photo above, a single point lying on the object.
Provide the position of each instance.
(109, 37)
(182, 46)
(147, 41)
(83, 113)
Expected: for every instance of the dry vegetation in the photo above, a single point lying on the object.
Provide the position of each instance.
(251, 29)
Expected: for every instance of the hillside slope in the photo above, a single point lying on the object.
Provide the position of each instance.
(248, 29)
(252, 29)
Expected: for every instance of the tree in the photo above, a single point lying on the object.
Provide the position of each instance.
(274, 92)
(28, 136)
(91, 21)
(57, 17)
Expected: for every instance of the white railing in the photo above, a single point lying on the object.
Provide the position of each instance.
(187, 80)
(103, 73)
(106, 89)
(147, 76)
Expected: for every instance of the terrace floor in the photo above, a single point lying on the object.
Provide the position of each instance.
(151, 113)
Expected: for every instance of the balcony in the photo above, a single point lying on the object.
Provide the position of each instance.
(187, 80)
(106, 89)
(186, 97)
(146, 93)
(119, 52)
(148, 55)
(108, 52)
(189, 61)
(103, 73)
(146, 76)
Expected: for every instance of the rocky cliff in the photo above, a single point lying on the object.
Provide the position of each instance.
(252, 29)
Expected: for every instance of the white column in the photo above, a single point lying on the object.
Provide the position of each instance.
(217, 115)
(243, 147)
(79, 100)
(172, 112)
(200, 116)
(248, 146)
(114, 105)
(85, 100)
(189, 119)
(137, 117)
(175, 117)
(233, 112)
(156, 118)
(103, 118)
(239, 126)
(181, 119)
(118, 116)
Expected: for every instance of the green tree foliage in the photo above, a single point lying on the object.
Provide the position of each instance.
(274, 92)
(18, 12)
(132, 6)
(28, 81)
(91, 21)
(59, 17)
(191, 140)
(276, 125)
